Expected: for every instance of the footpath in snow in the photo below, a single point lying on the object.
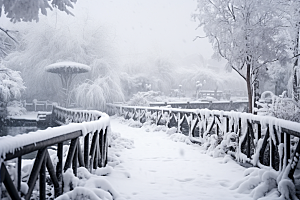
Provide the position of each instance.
(153, 166)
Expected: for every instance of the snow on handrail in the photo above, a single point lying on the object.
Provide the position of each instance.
(90, 122)
(263, 120)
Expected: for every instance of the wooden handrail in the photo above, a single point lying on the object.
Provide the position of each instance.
(258, 138)
(94, 124)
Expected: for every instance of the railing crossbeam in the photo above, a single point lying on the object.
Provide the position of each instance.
(59, 170)
(70, 156)
(35, 171)
(8, 183)
(86, 150)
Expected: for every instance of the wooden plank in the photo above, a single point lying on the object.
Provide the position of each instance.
(59, 169)
(264, 145)
(287, 148)
(194, 127)
(35, 172)
(42, 180)
(93, 149)
(86, 150)
(75, 159)
(70, 156)
(80, 156)
(294, 162)
(51, 170)
(39, 145)
(258, 131)
(8, 183)
(105, 147)
(19, 169)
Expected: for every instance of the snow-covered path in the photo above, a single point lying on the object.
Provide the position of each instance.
(159, 168)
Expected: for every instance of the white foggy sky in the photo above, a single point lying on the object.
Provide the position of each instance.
(144, 28)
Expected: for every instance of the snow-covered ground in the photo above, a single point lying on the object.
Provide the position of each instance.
(154, 166)
(148, 162)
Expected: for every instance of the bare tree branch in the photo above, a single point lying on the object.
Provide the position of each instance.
(7, 33)
(239, 72)
(199, 37)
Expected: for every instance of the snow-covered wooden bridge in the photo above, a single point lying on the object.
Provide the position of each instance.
(252, 140)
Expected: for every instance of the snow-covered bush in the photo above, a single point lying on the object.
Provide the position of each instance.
(134, 124)
(227, 146)
(278, 106)
(11, 84)
(95, 94)
(144, 98)
(11, 87)
(15, 108)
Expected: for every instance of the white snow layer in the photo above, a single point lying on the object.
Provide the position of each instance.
(165, 165)
(10, 144)
(67, 64)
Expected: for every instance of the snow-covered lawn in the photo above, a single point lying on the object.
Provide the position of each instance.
(157, 167)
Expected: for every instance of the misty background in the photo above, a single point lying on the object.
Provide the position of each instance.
(132, 46)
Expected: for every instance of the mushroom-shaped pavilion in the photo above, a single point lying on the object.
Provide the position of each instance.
(67, 71)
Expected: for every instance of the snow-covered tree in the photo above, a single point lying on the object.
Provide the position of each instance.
(292, 18)
(160, 75)
(11, 84)
(96, 94)
(29, 10)
(26, 11)
(11, 87)
(244, 32)
(50, 41)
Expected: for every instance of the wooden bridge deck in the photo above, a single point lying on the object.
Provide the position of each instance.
(160, 168)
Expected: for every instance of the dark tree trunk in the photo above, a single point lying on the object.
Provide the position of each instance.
(249, 88)
(296, 51)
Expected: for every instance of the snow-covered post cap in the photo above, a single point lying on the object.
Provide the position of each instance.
(67, 67)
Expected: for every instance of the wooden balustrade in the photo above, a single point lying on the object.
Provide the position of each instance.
(211, 105)
(87, 147)
(259, 140)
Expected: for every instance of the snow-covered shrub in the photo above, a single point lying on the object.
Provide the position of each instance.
(11, 84)
(178, 137)
(88, 186)
(11, 87)
(260, 183)
(171, 131)
(227, 146)
(278, 106)
(134, 124)
(144, 98)
(15, 108)
(160, 128)
(95, 94)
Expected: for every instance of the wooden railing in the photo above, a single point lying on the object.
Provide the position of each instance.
(36, 105)
(257, 140)
(211, 105)
(87, 147)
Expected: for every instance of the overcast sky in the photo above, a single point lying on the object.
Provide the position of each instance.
(149, 27)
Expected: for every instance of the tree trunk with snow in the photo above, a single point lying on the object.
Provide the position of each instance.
(249, 88)
(295, 67)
